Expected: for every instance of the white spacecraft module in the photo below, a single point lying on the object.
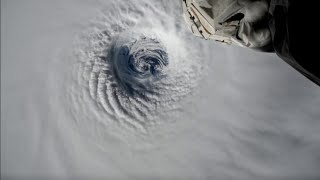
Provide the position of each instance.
(240, 22)
(264, 25)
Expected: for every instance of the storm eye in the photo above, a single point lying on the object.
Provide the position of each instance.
(138, 62)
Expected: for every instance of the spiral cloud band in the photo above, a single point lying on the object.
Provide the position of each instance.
(136, 73)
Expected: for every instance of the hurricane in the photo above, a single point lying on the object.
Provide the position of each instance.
(137, 70)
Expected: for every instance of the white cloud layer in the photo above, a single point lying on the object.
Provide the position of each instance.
(220, 112)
